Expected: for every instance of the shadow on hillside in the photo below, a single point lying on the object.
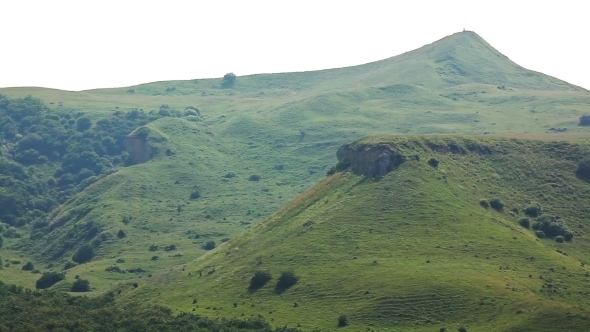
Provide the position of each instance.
(280, 290)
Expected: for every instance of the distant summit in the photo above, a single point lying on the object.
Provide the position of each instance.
(461, 58)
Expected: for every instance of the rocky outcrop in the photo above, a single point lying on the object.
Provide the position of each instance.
(138, 148)
(370, 160)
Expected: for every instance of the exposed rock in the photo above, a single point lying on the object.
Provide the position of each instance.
(139, 144)
(138, 148)
(370, 160)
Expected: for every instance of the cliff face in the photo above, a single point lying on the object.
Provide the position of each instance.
(138, 148)
(370, 160)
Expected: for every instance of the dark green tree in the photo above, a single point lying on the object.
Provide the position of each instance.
(84, 254)
(81, 286)
(49, 279)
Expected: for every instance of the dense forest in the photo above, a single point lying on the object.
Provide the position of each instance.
(47, 156)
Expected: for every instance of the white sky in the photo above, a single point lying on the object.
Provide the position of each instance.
(77, 45)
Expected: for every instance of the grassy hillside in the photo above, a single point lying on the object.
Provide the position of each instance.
(283, 129)
(413, 250)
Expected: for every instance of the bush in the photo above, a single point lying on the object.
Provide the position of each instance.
(259, 279)
(254, 177)
(210, 245)
(559, 239)
(121, 234)
(286, 280)
(28, 267)
(229, 80)
(153, 247)
(433, 162)
(114, 268)
(497, 204)
(342, 321)
(69, 265)
(83, 124)
(155, 258)
(484, 203)
(170, 247)
(552, 226)
(81, 286)
(525, 222)
(49, 279)
(540, 234)
(585, 120)
(584, 168)
(462, 329)
(195, 195)
(533, 210)
(1, 241)
(84, 254)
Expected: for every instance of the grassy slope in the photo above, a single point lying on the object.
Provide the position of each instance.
(413, 250)
(449, 86)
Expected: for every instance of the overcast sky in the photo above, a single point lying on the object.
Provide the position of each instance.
(76, 45)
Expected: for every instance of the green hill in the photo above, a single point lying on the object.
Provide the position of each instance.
(147, 175)
(415, 249)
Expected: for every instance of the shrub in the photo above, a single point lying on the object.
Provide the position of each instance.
(568, 236)
(559, 239)
(342, 321)
(286, 280)
(28, 267)
(83, 124)
(120, 260)
(153, 247)
(525, 222)
(433, 162)
(497, 204)
(84, 254)
(259, 279)
(254, 177)
(210, 245)
(69, 265)
(49, 279)
(229, 80)
(552, 226)
(540, 234)
(81, 286)
(1, 241)
(170, 247)
(584, 168)
(484, 203)
(121, 234)
(155, 258)
(462, 329)
(195, 195)
(533, 210)
(585, 120)
(114, 268)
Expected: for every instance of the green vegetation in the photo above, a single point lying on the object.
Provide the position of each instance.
(49, 279)
(80, 286)
(26, 310)
(112, 172)
(259, 279)
(413, 244)
(287, 279)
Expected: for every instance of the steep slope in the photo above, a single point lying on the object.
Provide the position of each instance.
(414, 249)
